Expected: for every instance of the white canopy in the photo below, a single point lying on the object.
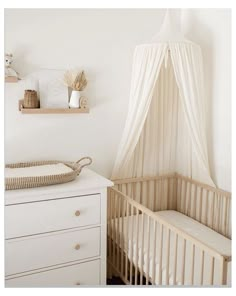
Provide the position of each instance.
(165, 126)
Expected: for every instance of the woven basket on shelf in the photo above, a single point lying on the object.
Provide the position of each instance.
(31, 99)
(30, 182)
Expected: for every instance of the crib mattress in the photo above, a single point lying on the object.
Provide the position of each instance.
(204, 234)
(155, 265)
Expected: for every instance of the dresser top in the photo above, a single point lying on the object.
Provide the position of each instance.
(88, 182)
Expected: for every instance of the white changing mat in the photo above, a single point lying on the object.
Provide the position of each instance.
(37, 171)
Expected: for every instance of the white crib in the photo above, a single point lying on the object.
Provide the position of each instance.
(169, 230)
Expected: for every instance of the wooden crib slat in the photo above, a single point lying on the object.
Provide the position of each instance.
(207, 209)
(202, 267)
(162, 195)
(109, 228)
(131, 244)
(222, 207)
(114, 229)
(175, 258)
(218, 213)
(213, 210)
(223, 271)
(200, 205)
(126, 188)
(137, 249)
(188, 203)
(178, 190)
(141, 250)
(185, 197)
(167, 256)
(116, 226)
(191, 199)
(134, 190)
(141, 193)
(212, 271)
(118, 233)
(168, 194)
(183, 264)
(195, 201)
(175, 191)
(219, 228)
(192, 264)
(181, 181)
(126, 240)
(227, 232)
(154, 253)
(122, 237)
(148, 250)
(160, 254)
(210, 210)
(155, 195)
(182, 203)
(225, 215)
(147, 195)
(109, 225)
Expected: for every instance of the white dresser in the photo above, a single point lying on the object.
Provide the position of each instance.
(55, 236)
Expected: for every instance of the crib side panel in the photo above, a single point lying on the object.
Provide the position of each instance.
(208, 205)
(144, 250)
(155, 193)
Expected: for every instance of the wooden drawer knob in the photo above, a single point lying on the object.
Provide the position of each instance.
(77, 247)
(78, 284)
(77, 213)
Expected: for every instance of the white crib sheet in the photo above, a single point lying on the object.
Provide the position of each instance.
(185, 224)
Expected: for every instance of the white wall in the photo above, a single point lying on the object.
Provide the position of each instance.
(102, 43)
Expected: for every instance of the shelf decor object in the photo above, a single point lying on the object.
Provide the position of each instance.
(51, 110)
(10, 74)
(76, 81)
(42, 173)
(31, 99)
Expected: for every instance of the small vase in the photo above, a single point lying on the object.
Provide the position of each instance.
(74, 99)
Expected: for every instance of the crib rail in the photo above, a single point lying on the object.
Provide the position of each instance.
(165, 259)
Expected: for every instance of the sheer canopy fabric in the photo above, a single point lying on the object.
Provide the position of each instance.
(165, 126)
(146, 66)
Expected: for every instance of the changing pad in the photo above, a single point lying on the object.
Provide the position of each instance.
(42, 173)
(42, 170)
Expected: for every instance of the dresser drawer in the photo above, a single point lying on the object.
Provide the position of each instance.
(70, 276)
(44, 216)
(39, 251)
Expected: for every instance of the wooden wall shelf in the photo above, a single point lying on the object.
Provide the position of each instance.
(11, 79)
(50, 110)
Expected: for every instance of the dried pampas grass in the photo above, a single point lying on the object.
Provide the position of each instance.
(75, 80)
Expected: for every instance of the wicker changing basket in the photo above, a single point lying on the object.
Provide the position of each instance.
(30, 182)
